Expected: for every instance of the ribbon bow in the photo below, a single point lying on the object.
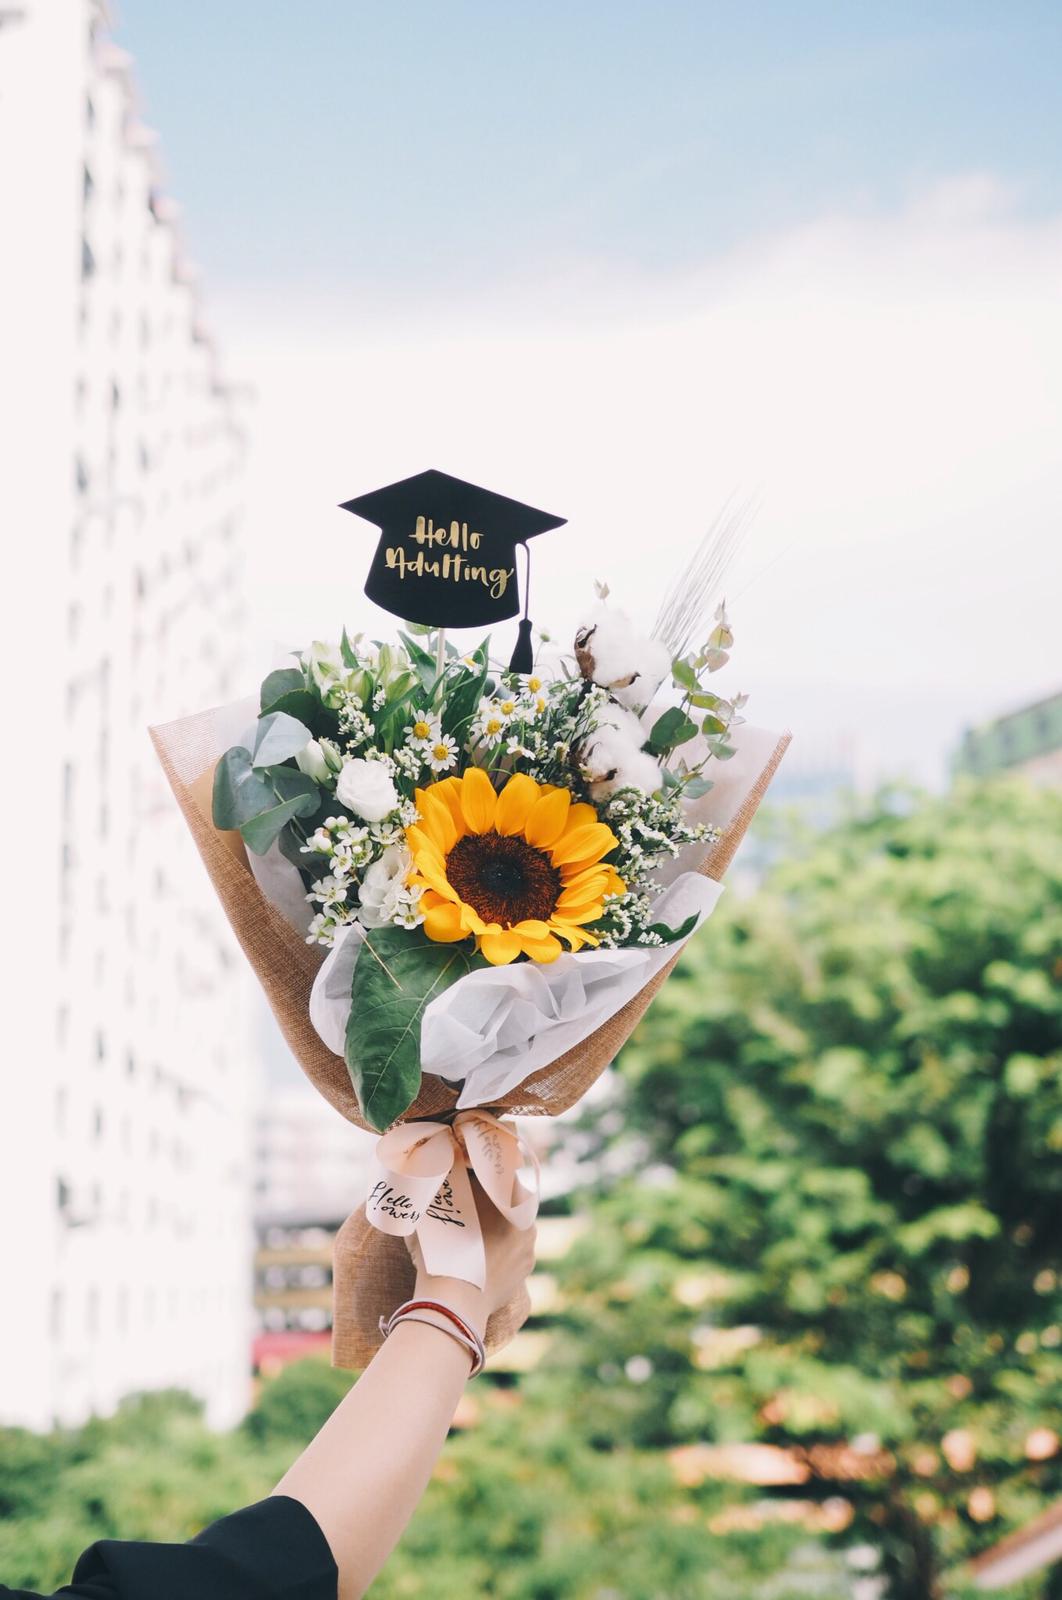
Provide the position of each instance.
(421, 1185)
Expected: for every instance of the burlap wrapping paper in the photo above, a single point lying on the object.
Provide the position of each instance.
(372, 1271)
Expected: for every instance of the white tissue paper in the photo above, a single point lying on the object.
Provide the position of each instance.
(498, 1025)
(493, 1028)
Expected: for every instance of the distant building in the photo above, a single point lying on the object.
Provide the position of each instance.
(1027, 741)
(124, 1091)
(310, 1163)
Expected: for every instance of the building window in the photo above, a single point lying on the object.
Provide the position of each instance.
(88, 261)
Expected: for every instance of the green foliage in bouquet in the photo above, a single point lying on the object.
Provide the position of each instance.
(356, 743)
(843, 1235)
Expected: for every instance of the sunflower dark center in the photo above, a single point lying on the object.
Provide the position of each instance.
(504, 879)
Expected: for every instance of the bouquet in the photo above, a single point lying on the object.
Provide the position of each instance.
(461, 882)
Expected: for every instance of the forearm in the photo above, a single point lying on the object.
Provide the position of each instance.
(364, 1473)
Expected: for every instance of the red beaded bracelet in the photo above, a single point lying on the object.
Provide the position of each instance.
(465, 1334)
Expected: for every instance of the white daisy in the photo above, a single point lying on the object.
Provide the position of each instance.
(442, 754)
(424, 730)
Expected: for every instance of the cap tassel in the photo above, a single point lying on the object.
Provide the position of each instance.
(523, 657)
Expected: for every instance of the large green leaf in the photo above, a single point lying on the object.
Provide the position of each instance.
(293, 794)
(397, 974)
(240, 793)
(260, 801)
(673, 727)
(669, 935)
(259, 833)
(304, 705)
(285, 680)
(277, 738)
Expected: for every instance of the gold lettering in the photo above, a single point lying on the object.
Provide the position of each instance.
(448, 568)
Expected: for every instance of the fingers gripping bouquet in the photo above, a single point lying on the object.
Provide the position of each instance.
(462, 882)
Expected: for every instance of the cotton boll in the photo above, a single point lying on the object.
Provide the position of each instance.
(611, 760)
(624, 722)
(652, 666)
(611, 653)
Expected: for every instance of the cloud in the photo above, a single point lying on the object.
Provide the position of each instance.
(887, 386)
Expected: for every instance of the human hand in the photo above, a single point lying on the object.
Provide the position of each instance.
(510, 1258)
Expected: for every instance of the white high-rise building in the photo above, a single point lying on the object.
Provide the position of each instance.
(125, 1094)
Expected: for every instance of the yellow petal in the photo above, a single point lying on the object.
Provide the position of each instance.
(574, 936)
(436, 877)
(587, 844)
(478, 800)
(532, 929)
(472, 919)
(437, 821)
(423, 847)
(547, 818)
(582, 884)
(443, 923)
(580, 914)
(581, 814)
(542, 949)
(500, 948)
(514, 802)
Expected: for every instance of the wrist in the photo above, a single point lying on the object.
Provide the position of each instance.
(464, 1298)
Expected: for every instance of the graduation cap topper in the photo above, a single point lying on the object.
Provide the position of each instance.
(447, 553)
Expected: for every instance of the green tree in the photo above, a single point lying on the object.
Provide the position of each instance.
(841, 1229)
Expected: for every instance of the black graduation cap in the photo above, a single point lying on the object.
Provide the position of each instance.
(447, 553)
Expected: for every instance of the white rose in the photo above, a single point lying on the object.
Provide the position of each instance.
(382, 886)
(365, 787)
(311, 761)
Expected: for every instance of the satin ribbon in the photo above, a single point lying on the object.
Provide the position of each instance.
(420, 1184)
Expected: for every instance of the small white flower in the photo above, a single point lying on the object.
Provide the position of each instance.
(442, 754)
(366, 788)
(383, 885)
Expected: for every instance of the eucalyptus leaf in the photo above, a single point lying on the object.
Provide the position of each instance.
(397, 974)
(713, 724)
(240, 793)
(286, 680)
(278, 737)
(698, 787)
(683, 674)
(260, 832)
(720, 749)
(305, 707)
(673, 727)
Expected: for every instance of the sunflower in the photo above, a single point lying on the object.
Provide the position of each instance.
(519, 871)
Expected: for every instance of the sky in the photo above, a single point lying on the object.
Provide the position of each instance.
(635, 265)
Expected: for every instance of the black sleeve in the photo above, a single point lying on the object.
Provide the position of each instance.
(272, 1550)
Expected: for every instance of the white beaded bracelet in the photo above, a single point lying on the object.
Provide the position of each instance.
(460, 1331)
